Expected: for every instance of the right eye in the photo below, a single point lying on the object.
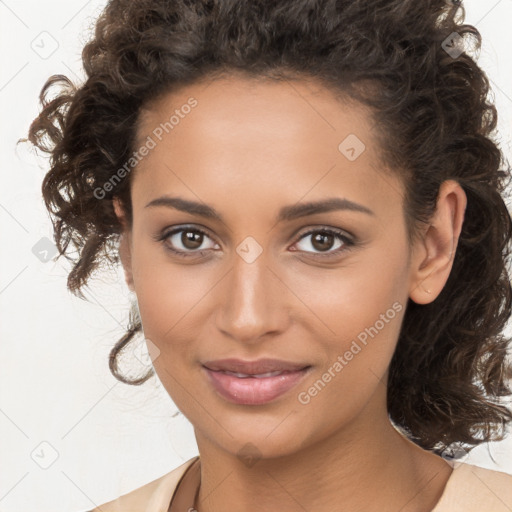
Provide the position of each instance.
(184, 241)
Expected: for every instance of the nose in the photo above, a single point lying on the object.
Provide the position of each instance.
(252, 304)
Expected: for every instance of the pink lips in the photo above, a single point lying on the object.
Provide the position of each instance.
(253, 382)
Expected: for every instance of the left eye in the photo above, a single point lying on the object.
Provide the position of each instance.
(191, 239)
(323, 240)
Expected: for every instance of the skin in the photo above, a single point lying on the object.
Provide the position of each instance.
(247, 149)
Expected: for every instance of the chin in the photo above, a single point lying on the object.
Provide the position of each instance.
(255, 436)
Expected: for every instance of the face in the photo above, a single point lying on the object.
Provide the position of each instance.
(251, 273)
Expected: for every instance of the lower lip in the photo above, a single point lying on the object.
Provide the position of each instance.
(251, 390)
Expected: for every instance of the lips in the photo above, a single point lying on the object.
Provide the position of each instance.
(254, 382)
(256, 368)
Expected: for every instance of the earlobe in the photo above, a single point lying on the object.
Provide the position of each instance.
(434, 252)
(124, 245)
(119, 211)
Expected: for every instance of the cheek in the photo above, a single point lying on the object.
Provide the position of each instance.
(369, 322)
(168, 294)
(355, 359)
(168, 298)
(343, 303)
(355, 314)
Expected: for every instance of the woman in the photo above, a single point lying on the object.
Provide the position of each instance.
(308, 204)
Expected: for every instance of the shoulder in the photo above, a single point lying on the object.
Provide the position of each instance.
(154, 496)
(473, 489)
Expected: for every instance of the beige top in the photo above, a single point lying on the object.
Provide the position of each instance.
(469, 489)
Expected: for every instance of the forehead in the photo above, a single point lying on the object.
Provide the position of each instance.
(251, 137)
(278, 111)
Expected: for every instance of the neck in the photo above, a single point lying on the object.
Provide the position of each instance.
(367, 466)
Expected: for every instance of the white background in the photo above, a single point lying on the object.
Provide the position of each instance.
(106, 438)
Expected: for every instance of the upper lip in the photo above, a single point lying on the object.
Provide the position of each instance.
(253, 367)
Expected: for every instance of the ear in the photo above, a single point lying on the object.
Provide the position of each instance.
(433, 254)
(124, 244)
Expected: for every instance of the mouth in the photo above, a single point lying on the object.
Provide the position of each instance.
(253, 382)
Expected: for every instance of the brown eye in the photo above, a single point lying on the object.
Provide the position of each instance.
(324, 240)
(191, 239)
(186, 241)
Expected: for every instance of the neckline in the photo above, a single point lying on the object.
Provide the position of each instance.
(450, 484)
(187, 489)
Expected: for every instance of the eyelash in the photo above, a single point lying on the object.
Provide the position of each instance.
(348, 243)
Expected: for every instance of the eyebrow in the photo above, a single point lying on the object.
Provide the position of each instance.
(286, 213)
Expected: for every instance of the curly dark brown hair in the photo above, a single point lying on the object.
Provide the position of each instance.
(430, 100)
